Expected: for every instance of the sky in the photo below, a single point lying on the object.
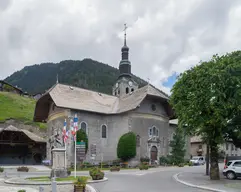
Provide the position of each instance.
(165, 37)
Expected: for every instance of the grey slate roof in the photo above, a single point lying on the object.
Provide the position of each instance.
(32, 136)
(82, 99)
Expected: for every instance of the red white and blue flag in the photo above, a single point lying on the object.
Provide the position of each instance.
(64, 128)
(66, 136)
(72, 126)
(75, 126)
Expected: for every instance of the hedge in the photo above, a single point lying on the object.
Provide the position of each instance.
(126, 148)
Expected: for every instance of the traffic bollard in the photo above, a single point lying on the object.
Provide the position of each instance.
(54, 185)
(41, 189)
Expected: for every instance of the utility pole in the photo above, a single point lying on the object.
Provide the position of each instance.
(207, 160)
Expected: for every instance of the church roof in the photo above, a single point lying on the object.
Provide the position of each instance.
(66, 96)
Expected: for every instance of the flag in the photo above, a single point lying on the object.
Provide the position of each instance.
(66, 136)
(75, 124)
(72, 126)
(64, 128)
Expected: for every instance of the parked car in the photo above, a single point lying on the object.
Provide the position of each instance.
(232, 169)
(198, 160)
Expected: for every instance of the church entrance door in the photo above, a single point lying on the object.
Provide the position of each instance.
(153, 153)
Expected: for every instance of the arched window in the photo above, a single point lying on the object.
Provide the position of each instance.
(127, 90)
(103, 131)
(83, 126)
(138, 141)
(153, 131)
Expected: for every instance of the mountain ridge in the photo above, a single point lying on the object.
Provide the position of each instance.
(87, 73)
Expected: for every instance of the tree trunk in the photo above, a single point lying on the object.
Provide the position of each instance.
(214, 170)
(207, 160)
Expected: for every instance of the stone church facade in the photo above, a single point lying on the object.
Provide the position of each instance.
(105, 118)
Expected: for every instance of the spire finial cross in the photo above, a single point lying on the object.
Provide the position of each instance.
(125, 27)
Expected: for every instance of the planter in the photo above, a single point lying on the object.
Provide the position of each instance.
(115, 169)
(97, 177)
(78, 188)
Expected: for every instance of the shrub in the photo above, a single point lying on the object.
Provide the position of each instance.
(126, 148)
(143, 166)
(23, 169)
(181, 165)
(164, 160)
(115, 168)
(81, 135)
(96, 173)
(116, 162)
(22, 190)
(69, 172)
(145, 159)
(81, 181)
(1, 169)
(190, 164)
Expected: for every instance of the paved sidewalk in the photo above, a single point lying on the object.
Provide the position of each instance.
(201, 180)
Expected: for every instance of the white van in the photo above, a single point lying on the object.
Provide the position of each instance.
(198, 160)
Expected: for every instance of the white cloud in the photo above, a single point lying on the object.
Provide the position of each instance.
(164, 36)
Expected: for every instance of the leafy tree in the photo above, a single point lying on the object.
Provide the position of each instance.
(178, 147)
(207, 98)
(81, 136)
(126, 148)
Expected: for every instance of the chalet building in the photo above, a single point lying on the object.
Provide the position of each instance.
(37, 96)
(19, 146)
(198, 148)
(4, 86)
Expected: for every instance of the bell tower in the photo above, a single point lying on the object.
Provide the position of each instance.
(125, 83)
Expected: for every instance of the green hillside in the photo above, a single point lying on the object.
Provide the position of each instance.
(88, 74)
(13, 106)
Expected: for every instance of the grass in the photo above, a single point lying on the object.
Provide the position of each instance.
(70, 178)
(17, 107)
(233, 185)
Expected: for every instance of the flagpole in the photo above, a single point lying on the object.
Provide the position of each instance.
(65, 155)
(75, 157)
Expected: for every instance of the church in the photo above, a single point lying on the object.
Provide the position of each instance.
(105, 118)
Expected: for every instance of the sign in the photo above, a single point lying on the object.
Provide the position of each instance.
(93, 150)
(80, 150)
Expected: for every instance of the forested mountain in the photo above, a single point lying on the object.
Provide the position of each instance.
(87, 74)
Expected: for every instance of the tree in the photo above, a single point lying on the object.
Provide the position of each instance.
(126, 148)
(81, 136)
(207, 98)
(178, 147)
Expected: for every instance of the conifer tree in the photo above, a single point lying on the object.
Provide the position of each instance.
(178, 147)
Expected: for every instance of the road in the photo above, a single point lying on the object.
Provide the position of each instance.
(153, 180)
